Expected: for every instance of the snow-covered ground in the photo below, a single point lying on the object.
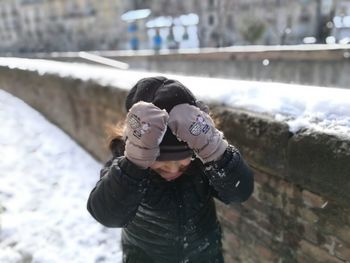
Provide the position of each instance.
(319, 108)
(45, 180)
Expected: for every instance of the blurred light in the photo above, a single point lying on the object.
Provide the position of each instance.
(329, 24)
(189, 20)
(337, 21)
(341, 21)
(346, 21)
(136, 14)
(167, 21)
(266, 62)
(162, 21)
(324, 205)
(345, 40)
(330, 40)
(309, 40)
(346, 54)
(288, 30)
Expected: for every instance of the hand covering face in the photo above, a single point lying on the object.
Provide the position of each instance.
(197, 129)
(146, 125)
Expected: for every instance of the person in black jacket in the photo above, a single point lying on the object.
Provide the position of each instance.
(160, 183)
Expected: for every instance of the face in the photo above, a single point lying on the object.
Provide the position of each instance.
(170, 170)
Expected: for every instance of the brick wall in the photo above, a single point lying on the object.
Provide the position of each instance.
(299, 211)
(285, 223)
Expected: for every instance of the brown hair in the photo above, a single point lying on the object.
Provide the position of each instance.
(116, 138)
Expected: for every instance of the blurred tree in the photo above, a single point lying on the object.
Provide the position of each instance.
(141, 4)
(252, 30)
(324, 23)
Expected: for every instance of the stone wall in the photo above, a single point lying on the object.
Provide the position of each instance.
(299, 211)
(82, 109)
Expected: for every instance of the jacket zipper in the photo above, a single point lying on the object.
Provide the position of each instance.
(180, 241)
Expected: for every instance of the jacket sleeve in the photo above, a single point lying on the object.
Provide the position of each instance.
(115, 199)
(231, 178)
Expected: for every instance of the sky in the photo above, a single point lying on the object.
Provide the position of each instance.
(45, 182)
(44, 174)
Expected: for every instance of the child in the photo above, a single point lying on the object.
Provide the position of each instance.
(161, 191)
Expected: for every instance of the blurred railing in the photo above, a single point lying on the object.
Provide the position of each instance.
(320, 65)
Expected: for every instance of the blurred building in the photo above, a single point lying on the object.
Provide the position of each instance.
(170, 20)
(60, 25)
(267, 22)
(10, 25)
(71, 25)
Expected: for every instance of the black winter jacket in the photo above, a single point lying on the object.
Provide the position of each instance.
(172, 221)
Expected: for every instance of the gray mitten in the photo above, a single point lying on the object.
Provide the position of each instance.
(195, 127)
(145, 128)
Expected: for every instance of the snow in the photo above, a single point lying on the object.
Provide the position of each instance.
(46, 177)
(45, 182)
(301, 107)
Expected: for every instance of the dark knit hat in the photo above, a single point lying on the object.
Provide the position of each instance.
(165, 94)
